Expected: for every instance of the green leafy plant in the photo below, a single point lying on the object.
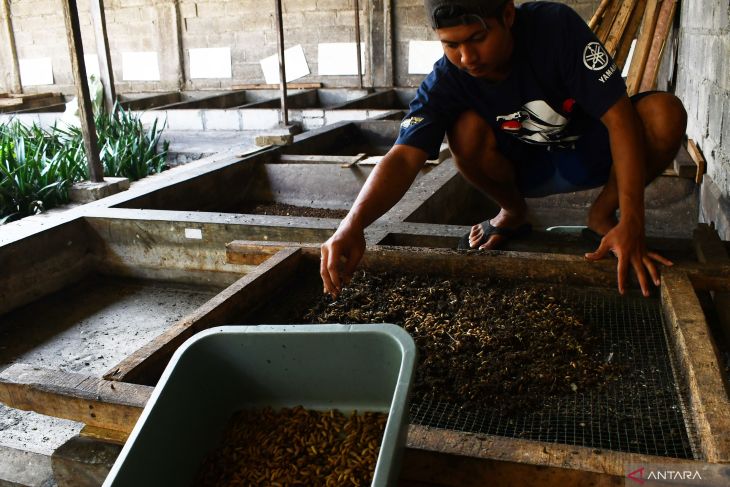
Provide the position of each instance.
(34, 174)
(37, 167)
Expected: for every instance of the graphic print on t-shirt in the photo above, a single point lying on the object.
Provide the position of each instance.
(537, 123)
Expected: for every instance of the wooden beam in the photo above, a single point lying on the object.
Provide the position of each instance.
(100, 403)
(452, 458)
(619, 26)
(696, 353)
(316, 159)
(112, 436)
(684, 165)
(698, 158)
(629, 35)
(264, 86)
(282, 61)
(607, 23)
(98, 19)
(643, 45)
(248, 253)
(13, 71)
(146, 364)
(661, 32)
(86, 113)
(598, 14)
(354, 160)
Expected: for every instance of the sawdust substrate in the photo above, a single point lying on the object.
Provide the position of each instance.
(481, 342)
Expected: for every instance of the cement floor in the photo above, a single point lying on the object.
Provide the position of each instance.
(86, 328)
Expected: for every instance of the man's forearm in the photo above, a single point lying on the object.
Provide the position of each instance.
(386, 185)
(628, 152)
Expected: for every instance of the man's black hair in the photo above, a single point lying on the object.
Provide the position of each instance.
(449, 13)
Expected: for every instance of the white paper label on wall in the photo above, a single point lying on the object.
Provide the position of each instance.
(140, 66)
(339, 58)
(422, 55)
(194, 233)
(91, 61)
(296, 65)
(212, 62)
(34, 72)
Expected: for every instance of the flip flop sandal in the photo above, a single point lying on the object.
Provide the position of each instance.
(489, 229)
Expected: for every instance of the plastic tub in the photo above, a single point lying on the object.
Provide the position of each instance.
(223, 370)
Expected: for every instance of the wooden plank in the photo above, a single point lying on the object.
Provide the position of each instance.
(643, 45)
(684, 165)
(557, 268)
(103, 434)
(697, 355)
(97, 402)
(146, 364)
(32, 96)
(624, 47)
(263, 86)
(661, 32)
(86, 115)
(11, 102)
(607, 23)
(454, 458)
(598, 14)
(710, 249)
(444, 153)
(316, 159)
(696, 155)
(354, 160)
(7, 40)
(249, 253)
(619, 26)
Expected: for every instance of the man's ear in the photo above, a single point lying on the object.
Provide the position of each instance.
(508, 14)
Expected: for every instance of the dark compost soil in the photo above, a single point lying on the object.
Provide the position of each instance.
(481, 342)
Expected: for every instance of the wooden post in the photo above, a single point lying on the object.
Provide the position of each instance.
(619, 26)
(179, 22)
(15, 86)
(643, 45)
(86, 113)
(661, 33)
(596, 19)
(282, 63)
(357, 43)
(102, 51)
(381, 43)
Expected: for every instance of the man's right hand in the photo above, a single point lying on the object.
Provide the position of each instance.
(340, 256)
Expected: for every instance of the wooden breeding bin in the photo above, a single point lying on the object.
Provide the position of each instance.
(287, 276)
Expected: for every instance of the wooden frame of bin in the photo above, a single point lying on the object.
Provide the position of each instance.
(110, 406)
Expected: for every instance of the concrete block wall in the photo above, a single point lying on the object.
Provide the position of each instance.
(172, 27)
(703, 84)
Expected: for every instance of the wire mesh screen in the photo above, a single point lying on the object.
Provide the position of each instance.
(643, 413)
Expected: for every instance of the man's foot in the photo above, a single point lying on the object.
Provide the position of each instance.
(483, 232)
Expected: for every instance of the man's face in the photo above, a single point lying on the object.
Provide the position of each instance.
(482, 50)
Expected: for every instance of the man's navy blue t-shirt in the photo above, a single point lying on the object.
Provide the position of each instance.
(561, 81)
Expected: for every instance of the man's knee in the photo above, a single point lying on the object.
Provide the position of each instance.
(664, 119)
(471, 139)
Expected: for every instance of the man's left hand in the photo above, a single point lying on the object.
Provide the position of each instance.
(627, 243)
